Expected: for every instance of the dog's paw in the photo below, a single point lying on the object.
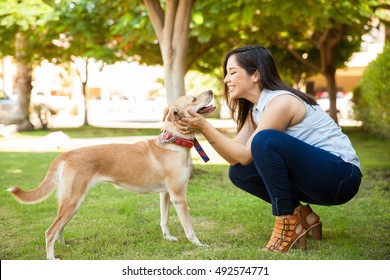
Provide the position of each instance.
(170, 238)
(53, 259)
(201, 245)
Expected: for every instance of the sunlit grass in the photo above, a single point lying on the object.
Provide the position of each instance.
(115, 224)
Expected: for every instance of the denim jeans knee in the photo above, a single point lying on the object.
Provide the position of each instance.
(246, 178)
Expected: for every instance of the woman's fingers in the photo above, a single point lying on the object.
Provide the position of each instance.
(182, 127)
(181, 123)
(187, 125)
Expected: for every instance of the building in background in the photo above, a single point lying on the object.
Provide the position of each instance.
(349, 77)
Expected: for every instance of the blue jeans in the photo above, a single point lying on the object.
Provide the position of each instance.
(286, 171)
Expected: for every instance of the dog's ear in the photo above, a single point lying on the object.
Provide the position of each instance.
(172, 114)
(165, 114)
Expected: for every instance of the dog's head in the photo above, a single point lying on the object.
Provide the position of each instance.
(179, 108)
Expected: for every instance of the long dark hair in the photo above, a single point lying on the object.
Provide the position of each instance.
(252, 59)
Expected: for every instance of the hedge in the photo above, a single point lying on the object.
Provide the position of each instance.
(372, 97)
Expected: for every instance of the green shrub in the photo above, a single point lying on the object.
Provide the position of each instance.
(372, 98)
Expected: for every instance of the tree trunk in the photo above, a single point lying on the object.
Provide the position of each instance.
(23, 81)
(85, 92)
(85, 97)
(330, 76)
(172, 31)
(84, 83)
(328, 44)
(174, 74)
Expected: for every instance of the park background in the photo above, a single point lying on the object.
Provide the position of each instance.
(57, 67)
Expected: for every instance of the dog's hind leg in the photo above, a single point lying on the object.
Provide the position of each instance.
(60, 237)
(164, 211)
(54, 232)
(70, 200)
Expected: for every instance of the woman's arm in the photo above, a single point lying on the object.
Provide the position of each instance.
(246, 131)
(281, 112)
(233, 151)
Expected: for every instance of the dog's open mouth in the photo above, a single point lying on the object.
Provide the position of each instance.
(206, 110)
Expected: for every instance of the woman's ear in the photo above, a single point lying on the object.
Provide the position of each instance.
(256, 76)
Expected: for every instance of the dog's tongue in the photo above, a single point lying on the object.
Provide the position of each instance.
(206, 109)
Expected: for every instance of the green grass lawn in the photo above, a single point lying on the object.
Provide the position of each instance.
(116, 224)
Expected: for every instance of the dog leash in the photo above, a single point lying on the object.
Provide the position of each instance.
(200, 150)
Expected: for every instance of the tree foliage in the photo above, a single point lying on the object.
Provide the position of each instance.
(317, 36)
(23, 34)
(29, 18)
(83, 30)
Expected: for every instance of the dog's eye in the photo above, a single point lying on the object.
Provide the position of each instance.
(193, 100)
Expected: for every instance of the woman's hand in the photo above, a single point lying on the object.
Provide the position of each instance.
(190, 125)
(232, 151)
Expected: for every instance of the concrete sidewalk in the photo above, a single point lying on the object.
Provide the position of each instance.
(59, 141)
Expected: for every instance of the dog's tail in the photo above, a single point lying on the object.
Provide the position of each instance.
(43, 190)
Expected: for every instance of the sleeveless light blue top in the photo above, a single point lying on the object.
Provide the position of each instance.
(317, 128)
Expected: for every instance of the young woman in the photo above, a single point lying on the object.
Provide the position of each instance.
(287, 149)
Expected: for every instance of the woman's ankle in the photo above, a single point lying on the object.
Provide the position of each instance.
(282, 217)
(312, 218)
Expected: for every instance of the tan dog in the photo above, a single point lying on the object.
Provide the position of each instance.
(156, 165)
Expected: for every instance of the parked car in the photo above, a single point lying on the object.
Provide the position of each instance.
(343, 103)
(9, 112)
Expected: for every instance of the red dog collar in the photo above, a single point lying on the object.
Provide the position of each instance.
(168, 137)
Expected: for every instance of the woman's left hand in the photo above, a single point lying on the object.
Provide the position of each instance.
(192, 124)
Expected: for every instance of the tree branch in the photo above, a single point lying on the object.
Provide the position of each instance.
(156, 16)
(335, 40)
(381, 6)
(183, 18)
(181, 27)
(323, 38)
(169, 23)
(298, 56)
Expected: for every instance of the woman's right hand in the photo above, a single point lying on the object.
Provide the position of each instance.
(190, 125)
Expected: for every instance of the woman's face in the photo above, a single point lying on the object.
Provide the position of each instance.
(239, 83)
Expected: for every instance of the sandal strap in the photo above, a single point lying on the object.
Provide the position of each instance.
(283, 235)
(303, 212)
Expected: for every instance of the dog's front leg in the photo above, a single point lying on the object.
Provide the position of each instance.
(164, 212)
(181, 206)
